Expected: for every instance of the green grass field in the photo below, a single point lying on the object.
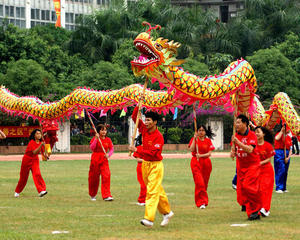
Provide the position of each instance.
(67, 207)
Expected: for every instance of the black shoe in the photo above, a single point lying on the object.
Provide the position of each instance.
(254, 216)
(243, 208)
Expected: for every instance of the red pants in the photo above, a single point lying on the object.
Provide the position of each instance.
(32, 164)
(266, 185)
(143, 190)
(248, 188)
(201, 170)
(99, 166)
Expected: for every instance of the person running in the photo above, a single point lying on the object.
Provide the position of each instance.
(30, 162)
(2, 135)
(248, 167)
(99, 164)
(139, 174)
(281, 159)
(201, 148)
(152, 168)
(266, 152)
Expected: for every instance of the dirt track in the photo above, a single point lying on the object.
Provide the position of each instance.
(87, 156)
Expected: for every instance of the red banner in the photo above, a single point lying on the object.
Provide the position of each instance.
(57, 8)
(15, 131)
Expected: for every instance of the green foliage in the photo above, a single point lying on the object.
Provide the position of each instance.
(125, 53)
(27, 77)
(106, 75)
(275, 74)
(196, 67)
(186, 135)
(174, 134)
(219, 61)
(80, 139)
(117, 138)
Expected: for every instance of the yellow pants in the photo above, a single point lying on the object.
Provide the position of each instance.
(156, 197)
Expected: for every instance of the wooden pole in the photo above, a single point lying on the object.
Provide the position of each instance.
(93, 126)
(195, 127)
(138, 115)
(234, 117)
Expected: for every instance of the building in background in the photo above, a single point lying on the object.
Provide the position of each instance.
(223, 9)
(29, 13)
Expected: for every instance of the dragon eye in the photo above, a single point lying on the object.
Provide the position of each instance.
(158, 46)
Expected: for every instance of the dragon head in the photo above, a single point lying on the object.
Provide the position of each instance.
(155, 55)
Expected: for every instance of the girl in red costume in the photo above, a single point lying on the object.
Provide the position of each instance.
(201, 148)
(99, 164)
(266, 152)
(30, 161)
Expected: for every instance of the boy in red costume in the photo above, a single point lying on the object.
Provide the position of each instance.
(248, 167)
(152, 169)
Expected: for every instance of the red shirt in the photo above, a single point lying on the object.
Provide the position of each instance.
(245, 159)
(265, 151)
(32, 145)
(204, 146)
(280, 143)
(106, 143)
(153, 142)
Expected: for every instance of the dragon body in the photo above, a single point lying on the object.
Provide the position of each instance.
(235, 87)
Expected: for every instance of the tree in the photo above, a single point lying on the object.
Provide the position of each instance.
(27, 78)
(274, 74)
(105, 76)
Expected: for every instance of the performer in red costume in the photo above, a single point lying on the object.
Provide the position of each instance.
(282, 145)
(152, 169)
(201, 148)
(99, 164)
(139, 174)
(248, 167)
(50, 137)
(266, 152)
(30, 161)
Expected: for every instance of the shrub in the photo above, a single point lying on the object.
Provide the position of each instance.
(174, 134)
(186, 135)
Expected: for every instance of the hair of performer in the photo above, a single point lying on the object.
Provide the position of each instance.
(99, 164)
(201, 148)
(143, 189)
(266, 152)
(152, 168)
(248, 167)
(282, 145)
(30, 162)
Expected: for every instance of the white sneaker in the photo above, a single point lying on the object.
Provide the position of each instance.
(108, 199)
(286, 191)
(166, 219)
(93, 198)
(17, 195)
(264, 213)
(42, 193)
(146, 223)
(141, 204)
(234, 186)
(202, 206)
(279, 191)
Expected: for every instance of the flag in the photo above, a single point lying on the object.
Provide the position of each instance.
(57, 7)
(123, 113)
(175, 113)
(103, 114)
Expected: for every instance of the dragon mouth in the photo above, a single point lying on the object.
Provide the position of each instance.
(147, 57)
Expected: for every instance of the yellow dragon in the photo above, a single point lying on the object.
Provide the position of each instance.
(235, 87)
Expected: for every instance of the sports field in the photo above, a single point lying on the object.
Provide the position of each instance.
(68, 209)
